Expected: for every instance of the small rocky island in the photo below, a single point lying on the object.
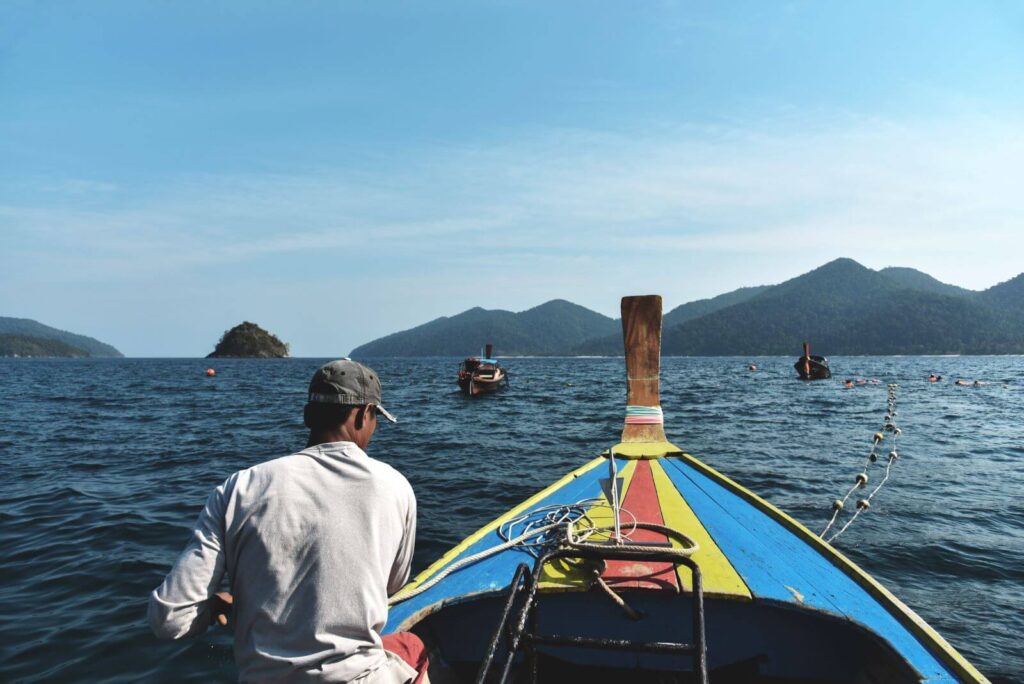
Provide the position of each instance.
(249, 341)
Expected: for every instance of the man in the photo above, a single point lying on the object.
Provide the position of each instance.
(313, 544)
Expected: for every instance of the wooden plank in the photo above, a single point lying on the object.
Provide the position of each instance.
(719, 575)
(778, 565)
(642, 501)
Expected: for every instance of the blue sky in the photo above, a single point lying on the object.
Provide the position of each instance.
(338, 171)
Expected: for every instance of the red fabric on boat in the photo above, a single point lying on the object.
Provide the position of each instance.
(409, 648)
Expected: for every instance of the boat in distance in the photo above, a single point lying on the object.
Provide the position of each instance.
(481, 374)
(646, 565)
(810, 367)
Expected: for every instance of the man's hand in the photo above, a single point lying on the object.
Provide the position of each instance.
(220, 606)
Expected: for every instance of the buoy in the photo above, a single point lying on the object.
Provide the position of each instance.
(210, 372)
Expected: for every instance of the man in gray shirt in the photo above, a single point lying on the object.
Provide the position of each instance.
(313, 544)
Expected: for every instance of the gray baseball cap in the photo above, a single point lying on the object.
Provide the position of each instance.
(349, 383)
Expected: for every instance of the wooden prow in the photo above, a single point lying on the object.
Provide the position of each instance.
(641, 335)
(807, 359)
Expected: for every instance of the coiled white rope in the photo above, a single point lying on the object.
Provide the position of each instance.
(565, 517)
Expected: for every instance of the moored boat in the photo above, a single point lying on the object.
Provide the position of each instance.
(810, 367)
(645, 564)
(480, 374)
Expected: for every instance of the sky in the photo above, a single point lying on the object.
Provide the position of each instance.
(338, 171)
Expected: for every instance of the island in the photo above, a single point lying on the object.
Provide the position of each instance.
(249, 341)
(24, 337)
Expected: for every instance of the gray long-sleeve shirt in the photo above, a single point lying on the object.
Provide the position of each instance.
(313, 544)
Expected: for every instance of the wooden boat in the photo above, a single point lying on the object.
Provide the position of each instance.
(812, 367)
(479, 374)
(645, 564)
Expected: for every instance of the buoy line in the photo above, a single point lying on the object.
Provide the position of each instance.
(861, 480)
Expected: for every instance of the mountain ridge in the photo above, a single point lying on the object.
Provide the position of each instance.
(27, 330)
(546, 329)
(842, 307)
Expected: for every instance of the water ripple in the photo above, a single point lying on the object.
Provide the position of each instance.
(105, 471)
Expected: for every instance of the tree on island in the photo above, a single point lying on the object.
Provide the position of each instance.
(248, 340)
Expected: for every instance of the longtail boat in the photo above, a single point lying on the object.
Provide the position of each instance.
(645, 564)
(480, 374)
(812, 367)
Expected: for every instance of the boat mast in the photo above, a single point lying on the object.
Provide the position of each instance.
(641, 335)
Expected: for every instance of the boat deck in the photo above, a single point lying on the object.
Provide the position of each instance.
(750, 553)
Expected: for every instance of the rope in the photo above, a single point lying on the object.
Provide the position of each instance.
(644, 415)
(861, 480)
(630, 611)
(557, 514)
(534, 537)
(469, 560)
(688, 549)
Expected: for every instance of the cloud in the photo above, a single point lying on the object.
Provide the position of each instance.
(695, 210)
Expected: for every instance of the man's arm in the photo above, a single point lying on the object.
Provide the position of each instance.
(403, 561)
(186, 603)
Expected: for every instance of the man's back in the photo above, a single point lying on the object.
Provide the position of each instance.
(314, 543)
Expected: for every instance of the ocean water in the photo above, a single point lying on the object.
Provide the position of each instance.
(106, 464)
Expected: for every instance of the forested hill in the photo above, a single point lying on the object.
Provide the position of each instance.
(25, 337)
(841, 308)
(845, 308)
(551, 328)
(611, 345)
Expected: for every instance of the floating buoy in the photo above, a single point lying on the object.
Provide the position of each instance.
(210, 372)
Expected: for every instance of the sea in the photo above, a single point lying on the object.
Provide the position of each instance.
(105, 464)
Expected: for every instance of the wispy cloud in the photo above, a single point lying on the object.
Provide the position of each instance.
(673, 207)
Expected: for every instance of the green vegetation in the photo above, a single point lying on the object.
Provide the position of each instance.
(551, 328)
(845, 308)
(23, 345)
(248, 340)
(31, 332)
(611, 345)
(841, 308)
